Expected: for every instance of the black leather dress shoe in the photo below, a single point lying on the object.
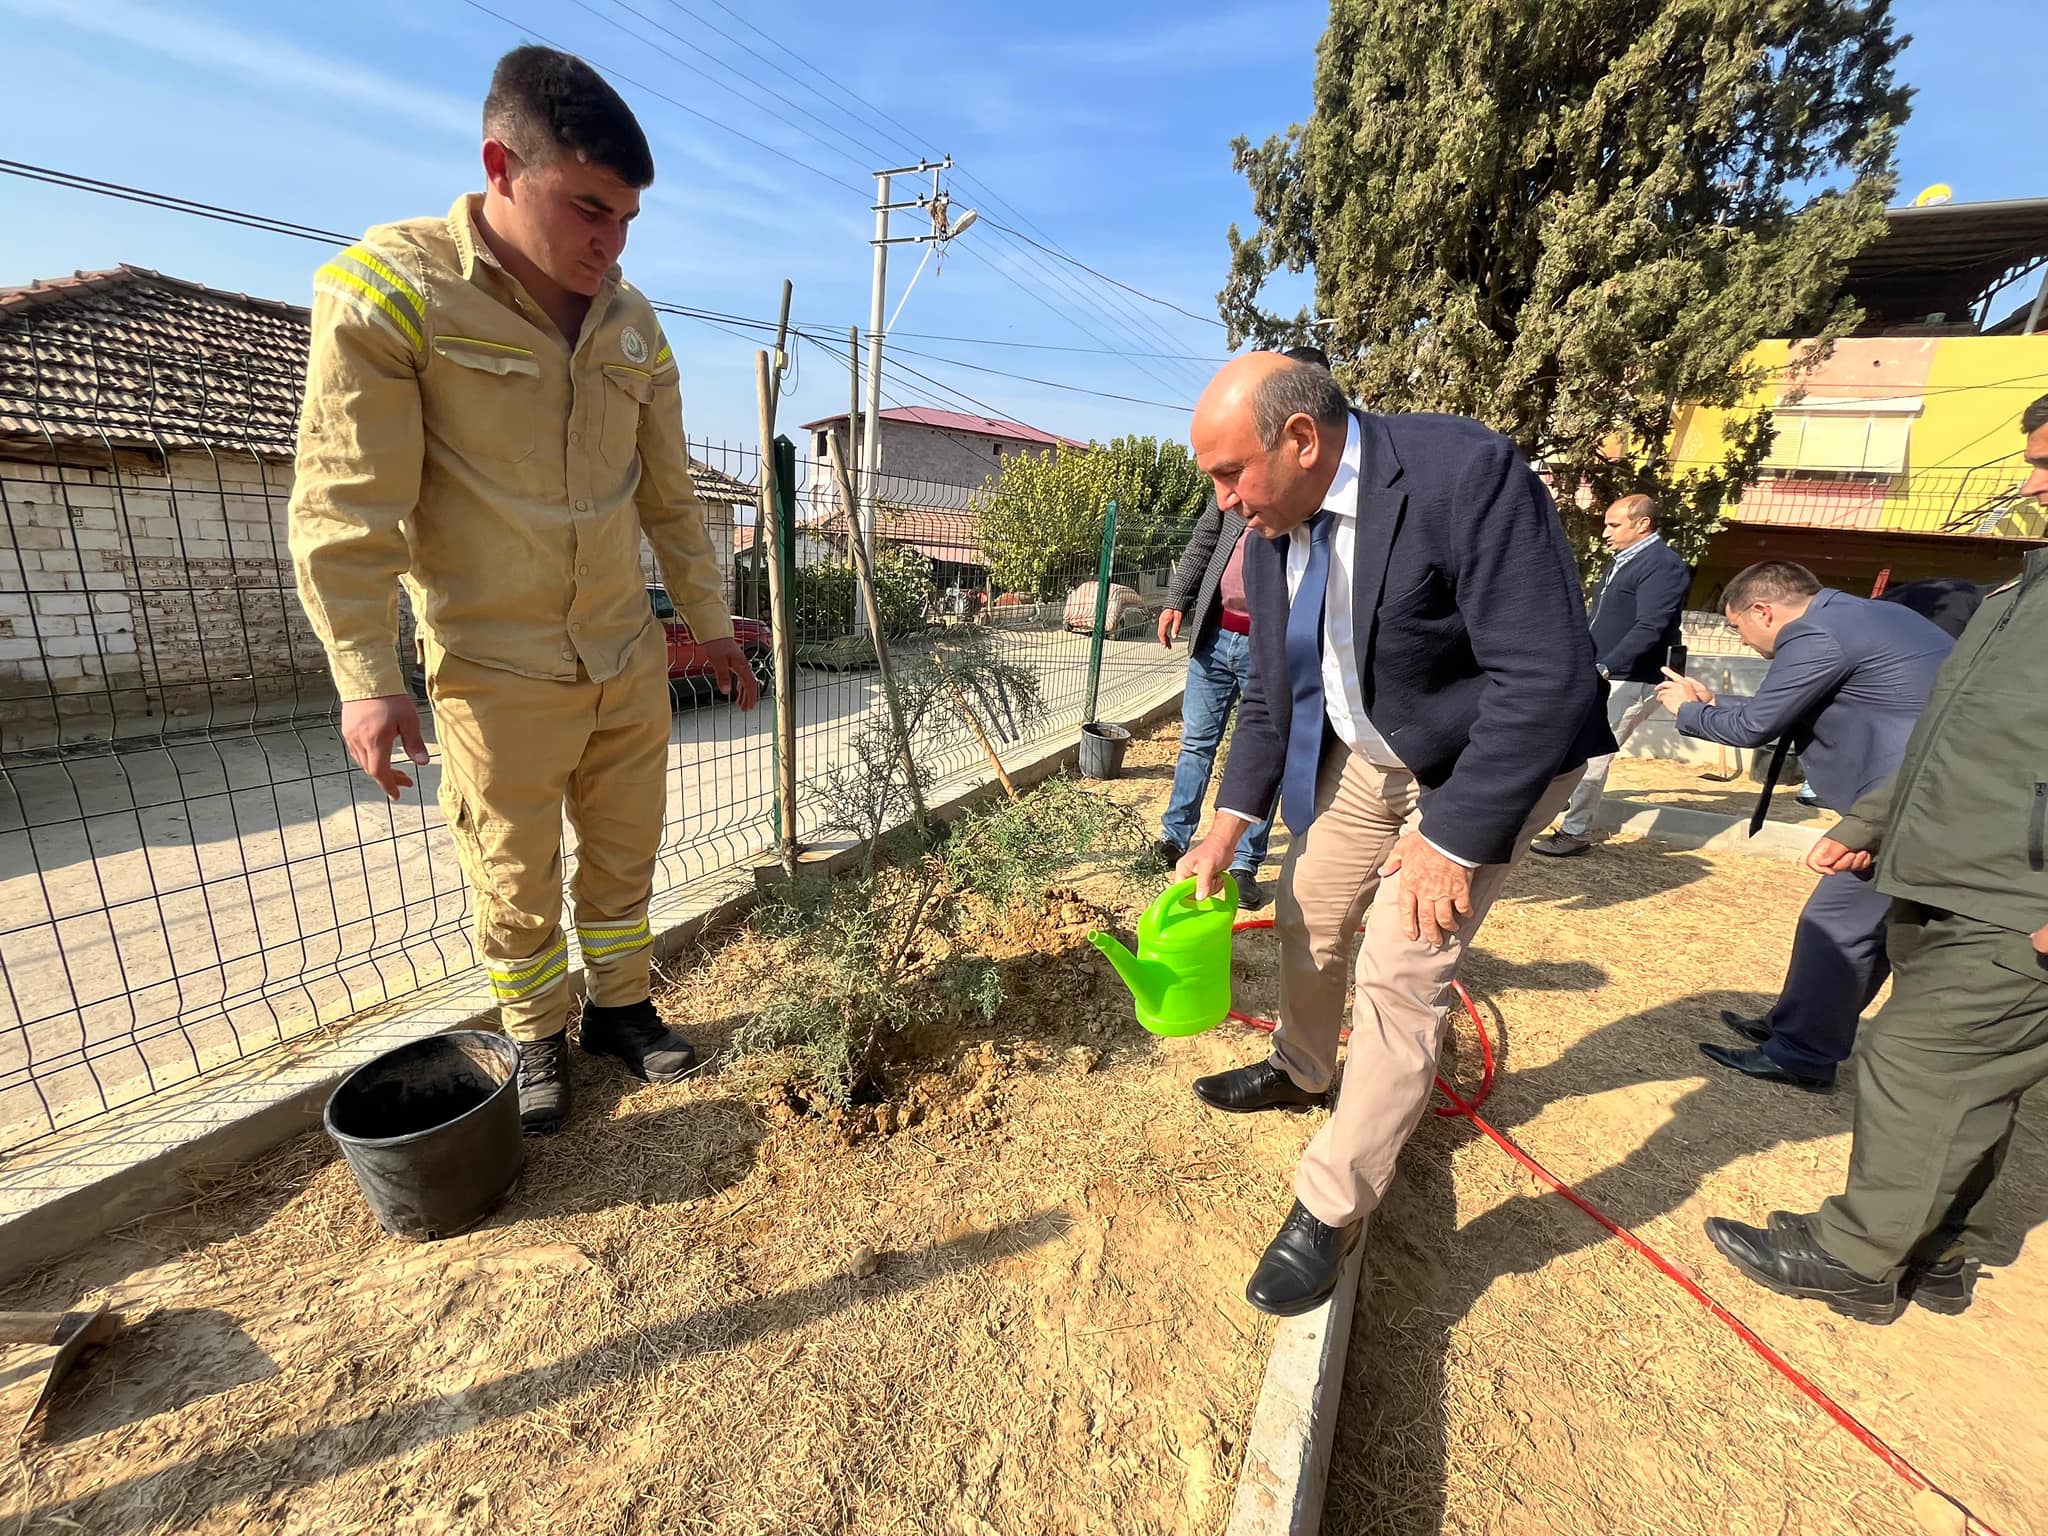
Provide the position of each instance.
(1262, 1085)
(1301, 1264)
(1787, 1260)
(1946, 1286)
(1755, 1031)
(1761, 1067)
(1251, 896)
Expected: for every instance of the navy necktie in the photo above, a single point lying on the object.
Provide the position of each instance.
(1305, 673)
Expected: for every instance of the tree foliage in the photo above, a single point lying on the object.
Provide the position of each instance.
(825, 597)
(1042, 518)
(1571, 218)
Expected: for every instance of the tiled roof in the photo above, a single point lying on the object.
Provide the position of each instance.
(959, 421)
(940, 533)
(131, 358)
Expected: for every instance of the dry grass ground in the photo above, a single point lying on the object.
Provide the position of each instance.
(1021, 1313)
(1513, 1369)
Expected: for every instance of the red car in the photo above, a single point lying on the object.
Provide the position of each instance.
(689, 675)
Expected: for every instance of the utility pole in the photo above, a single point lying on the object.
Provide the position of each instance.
(943, 228)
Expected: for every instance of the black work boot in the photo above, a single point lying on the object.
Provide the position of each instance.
(1947, 1286)
(1785, 1258)
(652, 1051)
(544, 1084)
(1301, 1265)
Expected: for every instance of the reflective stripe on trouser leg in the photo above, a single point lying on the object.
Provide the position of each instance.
(508, 745)
(615, 798)
(529, 992)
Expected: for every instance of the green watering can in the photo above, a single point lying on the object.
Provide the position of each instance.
(1180, 976)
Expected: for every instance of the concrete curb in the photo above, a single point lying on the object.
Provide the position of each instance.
(1287, 1455)
(63, 1192)
(1679, 828)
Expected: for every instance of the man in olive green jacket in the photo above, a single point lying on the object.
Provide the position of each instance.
(1960, 842)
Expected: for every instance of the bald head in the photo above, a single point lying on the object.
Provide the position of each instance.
(1269, 432)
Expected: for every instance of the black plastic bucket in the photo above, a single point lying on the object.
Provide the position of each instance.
(1102, 750)
(431, 1132)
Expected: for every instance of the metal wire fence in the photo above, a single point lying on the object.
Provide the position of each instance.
(191, 870)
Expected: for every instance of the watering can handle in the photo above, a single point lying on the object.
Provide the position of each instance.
(1179, 897)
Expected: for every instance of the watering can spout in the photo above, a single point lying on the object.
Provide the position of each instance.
(1128, 966)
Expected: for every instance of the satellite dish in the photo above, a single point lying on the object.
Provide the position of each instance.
(1935, 195)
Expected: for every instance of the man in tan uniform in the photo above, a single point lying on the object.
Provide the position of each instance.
(493, 417)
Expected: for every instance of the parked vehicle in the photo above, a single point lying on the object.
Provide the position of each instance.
(689, 675)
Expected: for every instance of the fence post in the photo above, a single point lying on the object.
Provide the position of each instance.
(768, 524)
(782, 581)
(1102, 571)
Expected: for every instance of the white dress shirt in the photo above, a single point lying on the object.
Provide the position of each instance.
(1343, 687)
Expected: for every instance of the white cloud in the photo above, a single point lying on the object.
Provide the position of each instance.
(266, 61)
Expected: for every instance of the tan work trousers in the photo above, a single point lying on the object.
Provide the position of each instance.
(1330, 880)
(515, 752)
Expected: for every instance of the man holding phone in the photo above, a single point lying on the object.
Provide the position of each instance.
(1848, 679)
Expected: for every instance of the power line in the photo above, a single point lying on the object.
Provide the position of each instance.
(704, 74)
(836, 131)
(878, 113)
(1127, 288)
(75, 183)
(265, 223)
(780, 154)
(675, 58)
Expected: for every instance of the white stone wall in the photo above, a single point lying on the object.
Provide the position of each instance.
(134, 601)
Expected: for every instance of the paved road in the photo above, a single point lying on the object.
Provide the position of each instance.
(167, 910)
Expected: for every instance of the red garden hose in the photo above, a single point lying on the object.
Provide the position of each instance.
(1468, 1109)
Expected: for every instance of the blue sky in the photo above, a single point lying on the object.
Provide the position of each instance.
(1106, 127)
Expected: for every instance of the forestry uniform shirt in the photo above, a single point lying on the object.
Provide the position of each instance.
(452, 439)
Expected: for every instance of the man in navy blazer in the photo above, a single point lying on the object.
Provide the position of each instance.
(1636, 616)
(1848, 679)
(1422, 698)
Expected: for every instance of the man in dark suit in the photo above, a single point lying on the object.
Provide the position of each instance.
(1946, 602)
(1423, 699)
(1848, 679)
(1636, 612)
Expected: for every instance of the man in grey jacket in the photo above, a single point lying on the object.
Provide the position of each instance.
(1848, 679)
(1960, 839)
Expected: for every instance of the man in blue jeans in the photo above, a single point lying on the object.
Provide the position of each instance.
(1208, 588)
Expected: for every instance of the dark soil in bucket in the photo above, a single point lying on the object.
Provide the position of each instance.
(415, 1090)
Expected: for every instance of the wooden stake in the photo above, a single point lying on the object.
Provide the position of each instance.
(973, 722)
(873, 608)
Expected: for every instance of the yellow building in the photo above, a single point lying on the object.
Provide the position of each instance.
(1898, 458)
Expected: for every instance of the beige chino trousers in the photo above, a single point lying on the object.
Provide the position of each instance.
(1330, 880)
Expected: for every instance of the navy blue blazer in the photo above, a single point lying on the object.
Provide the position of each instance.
(1849, 679)
(1476, 663)
(1636, 613)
